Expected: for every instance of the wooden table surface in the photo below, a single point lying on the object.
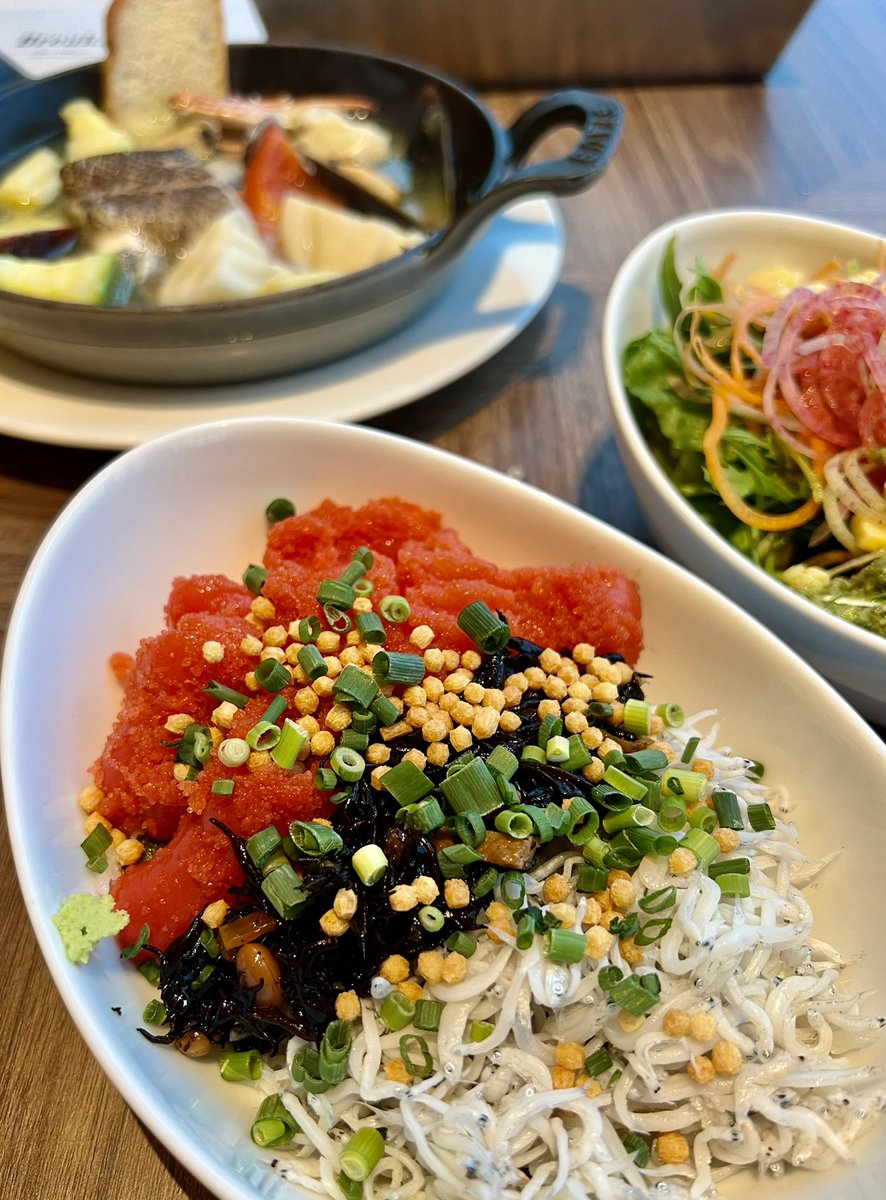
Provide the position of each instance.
(811, 139)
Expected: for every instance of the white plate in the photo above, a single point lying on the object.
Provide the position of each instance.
(211, 485)
(506, 277)
(852, 658)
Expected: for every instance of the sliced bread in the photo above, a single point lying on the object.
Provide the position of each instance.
(157, 48)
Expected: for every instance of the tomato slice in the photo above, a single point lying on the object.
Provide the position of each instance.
(274, 170)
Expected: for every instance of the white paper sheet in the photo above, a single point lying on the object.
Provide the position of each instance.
(58, 35)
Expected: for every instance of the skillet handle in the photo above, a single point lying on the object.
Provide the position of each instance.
(600, 120)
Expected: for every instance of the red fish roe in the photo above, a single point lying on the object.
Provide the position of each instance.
(144, 790)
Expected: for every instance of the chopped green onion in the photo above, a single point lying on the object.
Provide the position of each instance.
(637, 717)
(371, 629)
(363, 721)
(364, 587)
(314, 839)
(651, 982)
(311, 661)
(598, 1062)
(395, 609)
(427, 1015)
(264, 735)
(727, 809)
(396, 1010)
(729, 866)
(408, 784)
(325, 779)
(336, 593)
(96, 843)
(279, 509)
(262, 846)
(557, 749)
(273, 1125)
(335, 1048)
(591, 879)
(254, 578)
(237, 1065)
(652, 931)
(365, 556)
(514, 824)
(431, 918)
(760, 817)
(634, 789)
(665, 845)
(275, 709)
(756, 769)
(630, 995)
(292, 738)
(533, 754)
(639, 1147)
(503, 761)
(461, 943)
(426, 1069)
(481, 1030)
(218, 691)
(154, 1013)
(579, 755)
(526, 930)
(362, 1154)
(469, 828)
(353, 740)
(384, 710)
(688, 784)
(272, 675)
(672, 814)
(460, 855)
(233, 752)
(671, 714)
(370, 863)
(309, 629)
(705, 848)
(640, 838)
(513, 889)
(485, 883)
(427, 815)
(704, 818)
(689, 749)
(645, 760)
(734, 885)
(472, 789)
(347, 764)
(599, 710)
(139, 944)
(595, 851)
(306, 1071)
(659, 900)
(223, 787)
(608, 977)
(336, 618)
(550, 726)
(389, 666)
(355, 686)
(283, 888)
(565, 946)
(209, 943)
(484, 627)
(585, 831)
(150, 970)
(637, 814)
(352, 572)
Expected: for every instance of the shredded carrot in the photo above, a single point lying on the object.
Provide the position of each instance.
(720, 377)
(773, 522)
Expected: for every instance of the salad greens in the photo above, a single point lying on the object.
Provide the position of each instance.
(673, 410)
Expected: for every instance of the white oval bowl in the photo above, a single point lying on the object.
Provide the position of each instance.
(194, 501)
(853, 659)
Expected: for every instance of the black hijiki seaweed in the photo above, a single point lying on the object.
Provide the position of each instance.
(315, 968)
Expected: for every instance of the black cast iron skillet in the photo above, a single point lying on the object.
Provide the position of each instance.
(272, 335)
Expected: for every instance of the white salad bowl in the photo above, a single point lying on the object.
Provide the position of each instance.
(194, 501)
(853, 659)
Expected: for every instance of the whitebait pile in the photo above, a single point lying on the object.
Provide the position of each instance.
(654, 1068)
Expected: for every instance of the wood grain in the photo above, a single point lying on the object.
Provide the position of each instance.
(812, 139)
